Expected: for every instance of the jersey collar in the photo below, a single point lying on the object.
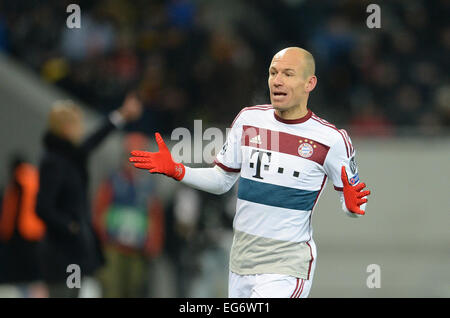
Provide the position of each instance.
(294, 121)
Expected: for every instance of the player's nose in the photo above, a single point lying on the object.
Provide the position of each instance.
(277, 85)
(277, 81)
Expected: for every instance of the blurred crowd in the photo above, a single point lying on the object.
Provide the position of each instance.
(192, 59)
(124, 237)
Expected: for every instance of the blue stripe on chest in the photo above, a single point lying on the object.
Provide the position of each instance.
(275, 195)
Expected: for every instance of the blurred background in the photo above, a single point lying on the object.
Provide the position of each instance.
(197, 59)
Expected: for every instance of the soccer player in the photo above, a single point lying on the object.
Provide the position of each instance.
(282, 155)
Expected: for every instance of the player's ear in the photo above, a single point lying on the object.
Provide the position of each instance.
(311, 83)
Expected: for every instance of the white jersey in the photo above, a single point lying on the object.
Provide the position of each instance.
(283, 165)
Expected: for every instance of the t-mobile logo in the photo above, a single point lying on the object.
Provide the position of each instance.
(259, 160)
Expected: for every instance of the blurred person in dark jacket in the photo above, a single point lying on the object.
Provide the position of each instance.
(62, 201)
(21, 230)
(181, 245)
(129, 219)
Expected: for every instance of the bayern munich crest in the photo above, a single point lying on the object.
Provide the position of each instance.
(305, 150)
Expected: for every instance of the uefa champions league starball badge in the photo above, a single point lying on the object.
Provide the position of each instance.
(306, 149)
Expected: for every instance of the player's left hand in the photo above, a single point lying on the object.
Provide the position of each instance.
(353, 195)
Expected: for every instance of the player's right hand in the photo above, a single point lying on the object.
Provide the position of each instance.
(158, 162)
(353, 195)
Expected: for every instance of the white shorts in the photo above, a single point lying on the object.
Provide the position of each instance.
(267, 286)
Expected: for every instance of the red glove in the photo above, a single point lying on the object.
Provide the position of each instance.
(158, 162)
(353, 194)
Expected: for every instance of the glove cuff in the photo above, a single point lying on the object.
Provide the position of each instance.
(179, 171)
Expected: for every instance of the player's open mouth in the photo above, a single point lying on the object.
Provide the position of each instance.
(279, 95)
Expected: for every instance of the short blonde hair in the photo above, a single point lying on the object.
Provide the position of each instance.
(63, 112)
(310, 64)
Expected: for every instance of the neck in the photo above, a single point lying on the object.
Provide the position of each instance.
(294, 112)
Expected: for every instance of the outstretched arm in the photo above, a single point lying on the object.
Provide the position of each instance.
(214, 180)
(130, 110)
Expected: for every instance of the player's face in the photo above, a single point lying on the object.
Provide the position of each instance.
(286, 82)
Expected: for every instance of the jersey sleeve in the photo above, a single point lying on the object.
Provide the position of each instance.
(230, 157)
(341, 154)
